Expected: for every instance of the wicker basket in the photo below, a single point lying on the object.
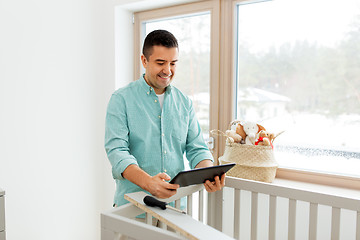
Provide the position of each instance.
(252, 162)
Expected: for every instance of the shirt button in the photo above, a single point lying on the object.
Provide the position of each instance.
(165, 151)
(162, 134)
(147, 93)
(164, 170)
(155, 100)
(159, 116)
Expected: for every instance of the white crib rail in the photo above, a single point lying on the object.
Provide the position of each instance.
(211, 209)
(294, 195)
(119, 221)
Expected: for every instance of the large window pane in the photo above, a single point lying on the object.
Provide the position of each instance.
(192, 75)
(193, 70)
(299, 71)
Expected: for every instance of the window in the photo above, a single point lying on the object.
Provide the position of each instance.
(291, 65)
(298, 70)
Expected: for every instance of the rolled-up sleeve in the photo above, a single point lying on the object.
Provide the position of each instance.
(117, 137)
(196, 149)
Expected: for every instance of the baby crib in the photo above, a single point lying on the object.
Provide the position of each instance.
(247, 209)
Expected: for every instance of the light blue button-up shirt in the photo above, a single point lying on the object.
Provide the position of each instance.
(139, 132)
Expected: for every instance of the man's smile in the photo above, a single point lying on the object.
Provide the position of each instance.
(164, 77)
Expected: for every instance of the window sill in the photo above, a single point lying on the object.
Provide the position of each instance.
(284, 175)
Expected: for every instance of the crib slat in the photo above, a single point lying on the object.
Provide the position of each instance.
(178, 204)
(292, 219)
(148, 218)
(254, 215)
(162, 225)
(313, 215)
(237, 213)
(272, 217)
(211, 209)
(358, 226)
(335, 223)
(201, 205)
(189, 204)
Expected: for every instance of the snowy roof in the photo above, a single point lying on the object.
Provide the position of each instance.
(251, 94)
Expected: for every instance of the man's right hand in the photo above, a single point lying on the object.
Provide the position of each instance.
(156, 185)
(159, 188)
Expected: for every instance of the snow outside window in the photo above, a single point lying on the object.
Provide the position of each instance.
(298, 70)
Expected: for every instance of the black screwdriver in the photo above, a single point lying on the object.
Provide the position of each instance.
(153, 202)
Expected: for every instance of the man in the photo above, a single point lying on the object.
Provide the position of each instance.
(150, 124)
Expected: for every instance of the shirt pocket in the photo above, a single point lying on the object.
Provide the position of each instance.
(179, 128)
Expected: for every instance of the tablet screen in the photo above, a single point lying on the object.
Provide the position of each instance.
(200, 175)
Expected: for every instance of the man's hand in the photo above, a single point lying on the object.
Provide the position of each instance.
(155, 185)
(216, 185)
(159, 188)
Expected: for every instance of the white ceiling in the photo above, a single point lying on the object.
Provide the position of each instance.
(142, 5)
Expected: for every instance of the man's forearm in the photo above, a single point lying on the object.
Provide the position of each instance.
(137, 176)
(204, 163)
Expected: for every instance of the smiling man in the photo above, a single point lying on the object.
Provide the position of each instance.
(151, 124)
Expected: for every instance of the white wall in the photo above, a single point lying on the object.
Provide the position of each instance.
(56, 76)
(124, 45)
(57, 73)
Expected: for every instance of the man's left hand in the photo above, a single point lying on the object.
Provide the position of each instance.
(216, 185)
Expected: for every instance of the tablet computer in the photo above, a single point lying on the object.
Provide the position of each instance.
(200, 175)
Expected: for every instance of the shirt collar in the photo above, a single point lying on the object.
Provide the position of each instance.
(149, 89)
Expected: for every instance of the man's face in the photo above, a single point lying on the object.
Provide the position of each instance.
(160, 67)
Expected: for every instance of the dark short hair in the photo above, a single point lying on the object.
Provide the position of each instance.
(158, 38)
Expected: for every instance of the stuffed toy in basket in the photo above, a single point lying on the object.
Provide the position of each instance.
(250, 147)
